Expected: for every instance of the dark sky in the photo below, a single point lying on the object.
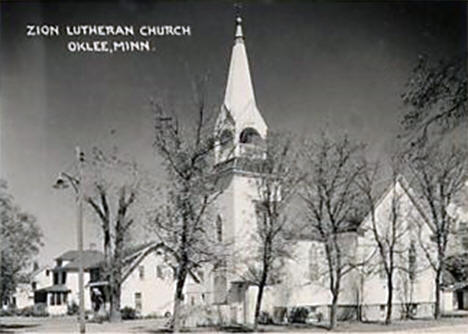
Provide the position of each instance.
(336, 66)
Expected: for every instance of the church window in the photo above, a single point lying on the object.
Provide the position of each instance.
(220, 289)
(463, 227)
(159, 271)
(381, 270)
(313, 263)
(219, 229)
(465, 242)
(226, 143)
(250, 136)
(201, 275)
(412, 260)
(138, 302)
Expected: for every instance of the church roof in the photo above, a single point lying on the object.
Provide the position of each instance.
(239, 98)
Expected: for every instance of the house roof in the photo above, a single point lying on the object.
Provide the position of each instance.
(91, 259)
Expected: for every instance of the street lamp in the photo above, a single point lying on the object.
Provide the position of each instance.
(64, 181)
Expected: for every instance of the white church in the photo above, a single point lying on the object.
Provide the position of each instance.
(229, 298)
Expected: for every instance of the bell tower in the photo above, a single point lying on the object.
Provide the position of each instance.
(240, 126)
(241, 144)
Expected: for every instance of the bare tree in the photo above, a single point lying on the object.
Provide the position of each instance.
(436, 98)
(438, 175)
(112, 190)
(329, 193)
(184, 222)
(276, 181)
(388, 226)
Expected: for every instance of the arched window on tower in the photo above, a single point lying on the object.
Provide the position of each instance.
(251, 142)
(226, 142)
(219, 229)
(250, 136)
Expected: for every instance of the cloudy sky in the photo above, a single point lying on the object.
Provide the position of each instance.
(336, 66)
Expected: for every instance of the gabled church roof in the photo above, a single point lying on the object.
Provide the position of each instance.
(239, 98)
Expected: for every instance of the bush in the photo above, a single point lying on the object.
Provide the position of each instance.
(298, 315)
(265, 318)
(38, 310)
(128, 313)
(6, 313)
(73, 308)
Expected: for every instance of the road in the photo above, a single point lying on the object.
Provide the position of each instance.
(70, 325)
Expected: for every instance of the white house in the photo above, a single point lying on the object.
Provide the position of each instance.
(62, 289)
(148, 281)
(25, 291)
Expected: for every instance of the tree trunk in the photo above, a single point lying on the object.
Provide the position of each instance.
(437, 295)
(388, 318)
(115, 287)
(115, 315)
(334, 309)
(178, 300)
(258, 304)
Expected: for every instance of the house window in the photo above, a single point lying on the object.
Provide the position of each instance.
(56, 278)
(141, 271)
(52, 299)
(219, 229)
(138, 301)
(58, 299)
(34, 285)
(64, 277)
(159, 272)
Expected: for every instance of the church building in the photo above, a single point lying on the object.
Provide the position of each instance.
(227, 289)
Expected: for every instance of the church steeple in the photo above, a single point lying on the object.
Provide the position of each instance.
(239, 113)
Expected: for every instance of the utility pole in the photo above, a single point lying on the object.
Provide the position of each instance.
(80, 159)
(64, 181)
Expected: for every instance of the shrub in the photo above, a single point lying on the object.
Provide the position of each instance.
(38, 310)
(128, 313)
(73, 308)
(6, 313)
(265, 318)
(298, 315)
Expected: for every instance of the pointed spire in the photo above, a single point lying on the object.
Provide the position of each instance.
(239, 97)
